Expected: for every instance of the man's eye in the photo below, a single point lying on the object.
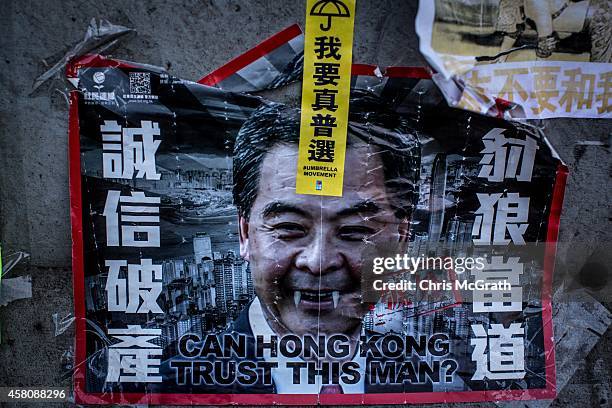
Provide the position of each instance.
(355, 233)
(290, 230)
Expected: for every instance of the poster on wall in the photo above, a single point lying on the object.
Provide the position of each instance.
(531, 59)
(202, 277)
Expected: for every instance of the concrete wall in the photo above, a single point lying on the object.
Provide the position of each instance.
(190, 38)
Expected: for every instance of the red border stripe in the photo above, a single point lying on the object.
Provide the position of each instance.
(391, 72)
(251, 55)
(94, 61)
(363, 69)
(78, 272)
(552, 236)
(314, 399)
(408, 72)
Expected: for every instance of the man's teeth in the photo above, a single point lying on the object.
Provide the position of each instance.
(335, 298)
(335, 295)
(297, 296)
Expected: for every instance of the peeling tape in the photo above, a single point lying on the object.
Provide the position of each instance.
(15, 288)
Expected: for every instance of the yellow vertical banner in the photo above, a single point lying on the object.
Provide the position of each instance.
(328, 56)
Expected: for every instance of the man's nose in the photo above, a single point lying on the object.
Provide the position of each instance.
(321, 256)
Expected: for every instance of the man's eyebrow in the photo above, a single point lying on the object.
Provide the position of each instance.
(363, 207)
(279, 207)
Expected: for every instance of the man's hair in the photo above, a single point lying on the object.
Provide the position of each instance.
(370, 121)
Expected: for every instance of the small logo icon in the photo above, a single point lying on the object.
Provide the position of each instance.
(329, 9)
(99, 78)
(319, 185)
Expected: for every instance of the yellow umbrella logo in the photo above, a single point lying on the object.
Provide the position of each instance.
(329, 9)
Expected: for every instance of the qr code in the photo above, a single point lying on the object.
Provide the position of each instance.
(140, 83)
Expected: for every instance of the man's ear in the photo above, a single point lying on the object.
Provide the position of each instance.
(243, 232)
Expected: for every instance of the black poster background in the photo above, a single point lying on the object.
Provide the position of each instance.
(198, 125)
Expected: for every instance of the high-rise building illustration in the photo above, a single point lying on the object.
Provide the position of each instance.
(202, 247)
(233, 282)
(201, 292)
(224, 284)
(460, 329)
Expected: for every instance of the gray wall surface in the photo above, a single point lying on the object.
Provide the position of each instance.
(191, 38)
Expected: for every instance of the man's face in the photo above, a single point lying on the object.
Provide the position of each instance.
(305, 251)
